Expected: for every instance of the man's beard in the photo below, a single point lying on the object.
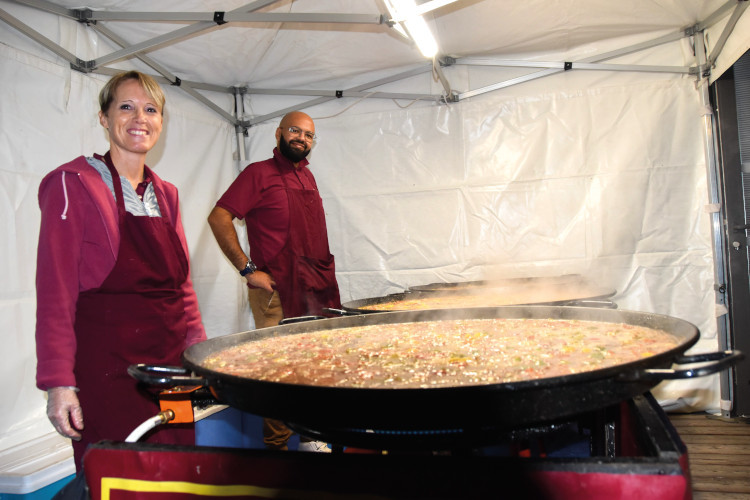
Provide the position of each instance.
(294, 155)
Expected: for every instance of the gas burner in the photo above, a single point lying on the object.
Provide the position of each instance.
(465, 440)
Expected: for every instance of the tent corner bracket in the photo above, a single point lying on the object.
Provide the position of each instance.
(219, 18)
(449, 98)
(84, 16)
(240, 128)
(447, 61)
(703, 70)
(692, 30)
(83, 66)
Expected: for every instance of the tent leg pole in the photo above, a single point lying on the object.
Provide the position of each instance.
(239, 106)
(717, 230)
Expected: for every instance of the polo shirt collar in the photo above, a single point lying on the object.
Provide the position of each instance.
(286, 162)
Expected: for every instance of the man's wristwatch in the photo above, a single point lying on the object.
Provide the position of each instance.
(250, 268)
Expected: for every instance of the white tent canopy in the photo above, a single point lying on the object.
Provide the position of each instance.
(547, 138)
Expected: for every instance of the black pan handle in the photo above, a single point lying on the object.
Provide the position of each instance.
(299, 319)
(165, 376)
(716, 362)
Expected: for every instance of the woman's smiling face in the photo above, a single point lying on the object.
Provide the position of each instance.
(134, 119)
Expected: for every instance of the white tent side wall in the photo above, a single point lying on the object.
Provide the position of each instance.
(608, 182)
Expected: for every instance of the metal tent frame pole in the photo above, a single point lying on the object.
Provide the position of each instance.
(589, 63)
(209, 20)
(705, 63)
(739, 8)
(354, 91)
(713, 207)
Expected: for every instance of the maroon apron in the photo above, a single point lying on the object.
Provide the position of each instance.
(136, 316)
(304, 269)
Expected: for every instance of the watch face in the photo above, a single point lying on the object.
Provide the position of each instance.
(249, 269)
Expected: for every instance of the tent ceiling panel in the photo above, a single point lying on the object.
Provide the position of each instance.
(735, 46)
(535, 28)
(337, 45)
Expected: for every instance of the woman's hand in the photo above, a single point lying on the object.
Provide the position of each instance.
(64, 411)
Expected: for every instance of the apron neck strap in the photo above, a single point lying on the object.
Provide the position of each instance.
(119, 199)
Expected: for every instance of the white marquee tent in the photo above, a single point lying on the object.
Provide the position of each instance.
(547, 137)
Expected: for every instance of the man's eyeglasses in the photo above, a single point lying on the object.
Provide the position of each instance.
(297, 131)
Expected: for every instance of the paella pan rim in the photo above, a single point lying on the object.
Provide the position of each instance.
(512, 404)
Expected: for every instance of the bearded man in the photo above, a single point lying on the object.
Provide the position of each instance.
(290, 270)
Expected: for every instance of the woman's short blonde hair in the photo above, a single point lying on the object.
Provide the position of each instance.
(154, 91)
